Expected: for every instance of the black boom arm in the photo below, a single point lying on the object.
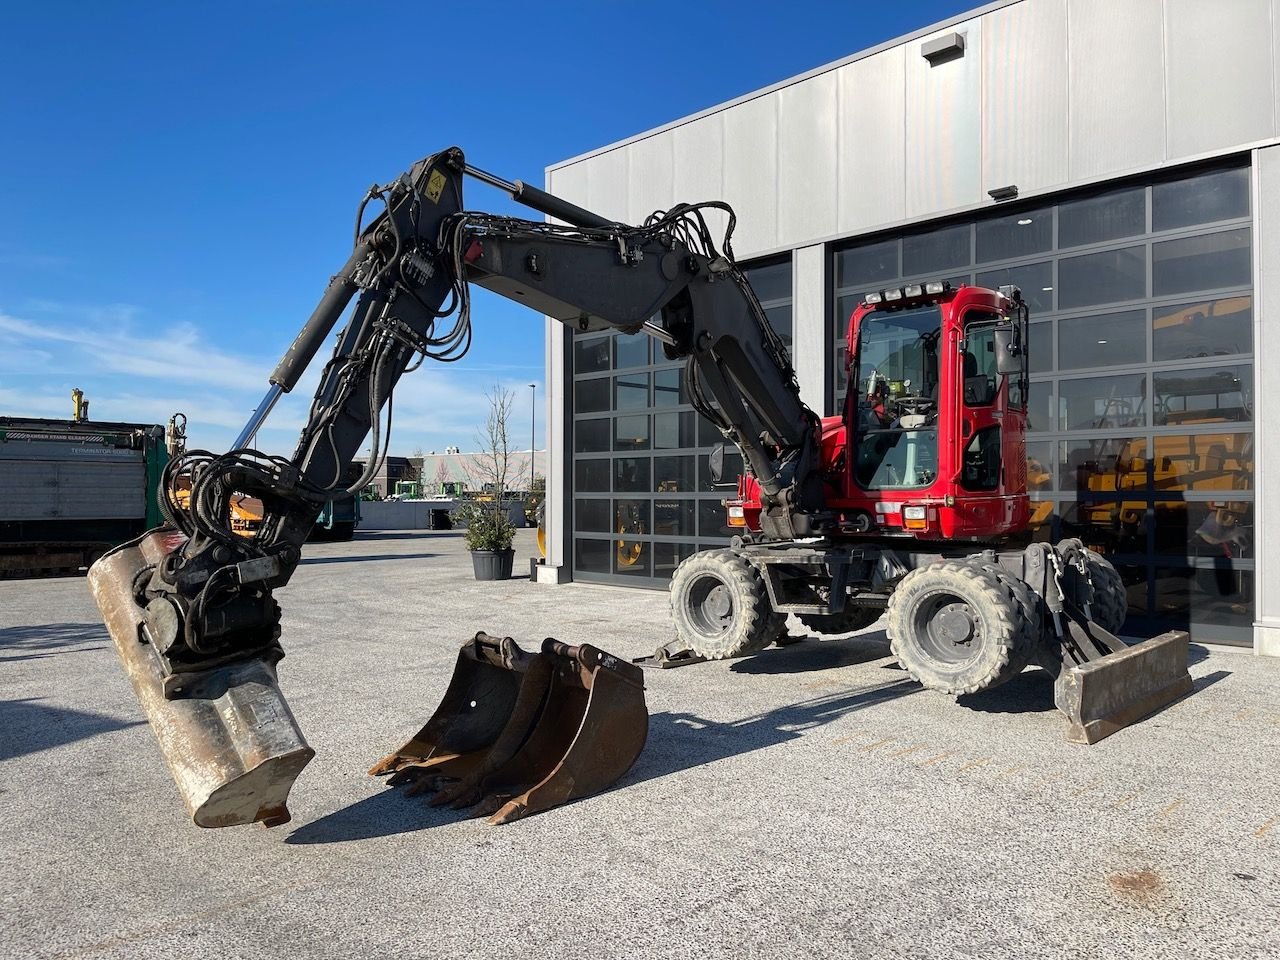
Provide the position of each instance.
(409, 271)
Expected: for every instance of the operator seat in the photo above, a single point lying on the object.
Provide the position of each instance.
(979, 389)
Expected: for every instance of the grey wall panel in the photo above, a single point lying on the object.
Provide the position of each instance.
(871, 184)
(698, 151)
(698, 148)
(807, 159)
(607, 192)
(811, 327)
(1024, 83)
(650, 182)
(751, 173)
(1266, 334)
(1220, 74)
(571, 182)
(1116, 86)
(944, 128)
(559, 422)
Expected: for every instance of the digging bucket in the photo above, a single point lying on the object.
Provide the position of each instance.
(1111, 692)
(229, 738)
(518, 733)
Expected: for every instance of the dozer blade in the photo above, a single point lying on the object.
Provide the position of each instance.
(229, 738)
(517, 733)
(1111, 692)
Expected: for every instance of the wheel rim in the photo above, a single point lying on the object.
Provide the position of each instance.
(711, 606)
(949, 629)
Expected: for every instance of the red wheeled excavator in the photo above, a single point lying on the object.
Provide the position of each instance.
(924, 477)
(912, 499)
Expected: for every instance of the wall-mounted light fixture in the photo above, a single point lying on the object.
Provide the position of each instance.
(1003, 193)
(941, 49)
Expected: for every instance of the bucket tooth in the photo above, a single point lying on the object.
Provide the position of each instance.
(555, 726)
(1111, 692)
(230, 740)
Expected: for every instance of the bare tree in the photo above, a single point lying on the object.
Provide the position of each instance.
(490, 472)
(491, 469)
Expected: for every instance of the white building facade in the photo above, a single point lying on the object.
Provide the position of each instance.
(1141, 142)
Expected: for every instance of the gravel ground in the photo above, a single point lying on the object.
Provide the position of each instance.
(809, 801)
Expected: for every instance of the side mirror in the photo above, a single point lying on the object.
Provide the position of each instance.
(1008, 350)
(715, 463)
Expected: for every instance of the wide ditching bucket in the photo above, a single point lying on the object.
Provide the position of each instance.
(229, 738)
(520, 732)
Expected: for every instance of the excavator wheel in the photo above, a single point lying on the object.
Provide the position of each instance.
(721, 607)
(1030, 614)
(1110, 600)
(956, 627)
(849, 620)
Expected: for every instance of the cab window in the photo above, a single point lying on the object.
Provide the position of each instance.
(979, 375)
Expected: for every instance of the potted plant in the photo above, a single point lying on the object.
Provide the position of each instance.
(489, 534)
(490, 529)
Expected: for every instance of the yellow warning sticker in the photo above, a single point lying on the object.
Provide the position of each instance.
(435, 186)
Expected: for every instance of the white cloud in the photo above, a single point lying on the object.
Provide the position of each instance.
(147, 376)
(174, 352)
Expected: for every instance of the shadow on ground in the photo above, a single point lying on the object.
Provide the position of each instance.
(1032, 692)
(677, 741)
(385, 814)
(405, 534)
(49, 639)
(28, 726)
(809, 655)
(368, 556)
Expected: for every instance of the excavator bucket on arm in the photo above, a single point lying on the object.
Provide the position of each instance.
(227, 734)
(520, 732)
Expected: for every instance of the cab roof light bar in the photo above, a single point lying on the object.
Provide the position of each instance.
(912, 291)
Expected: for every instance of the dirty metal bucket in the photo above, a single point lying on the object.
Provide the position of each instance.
(1111, 692)
(519, 732)
(229, 738)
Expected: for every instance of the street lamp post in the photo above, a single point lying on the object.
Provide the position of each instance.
(533, 415)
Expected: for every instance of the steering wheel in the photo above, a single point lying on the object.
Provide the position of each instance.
(913, 405)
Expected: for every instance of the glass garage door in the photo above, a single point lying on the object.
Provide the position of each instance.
(1141, 433)
(642, 496)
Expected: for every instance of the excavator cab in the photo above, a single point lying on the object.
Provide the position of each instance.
(936, 408)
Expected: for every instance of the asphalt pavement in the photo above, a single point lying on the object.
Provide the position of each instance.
(810, 801)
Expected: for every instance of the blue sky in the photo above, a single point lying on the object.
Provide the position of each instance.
(178, 181)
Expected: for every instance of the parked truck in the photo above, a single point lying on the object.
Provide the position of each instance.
(72, 489)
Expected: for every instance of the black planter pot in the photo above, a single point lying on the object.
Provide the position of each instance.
(492, 564)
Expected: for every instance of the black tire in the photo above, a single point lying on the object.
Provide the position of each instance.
(956, 627)
(849, 620)
(345, 530)
(720, 606)
(1110, 604)
(1030, 613)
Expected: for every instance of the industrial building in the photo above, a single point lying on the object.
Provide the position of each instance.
(1116, 159)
